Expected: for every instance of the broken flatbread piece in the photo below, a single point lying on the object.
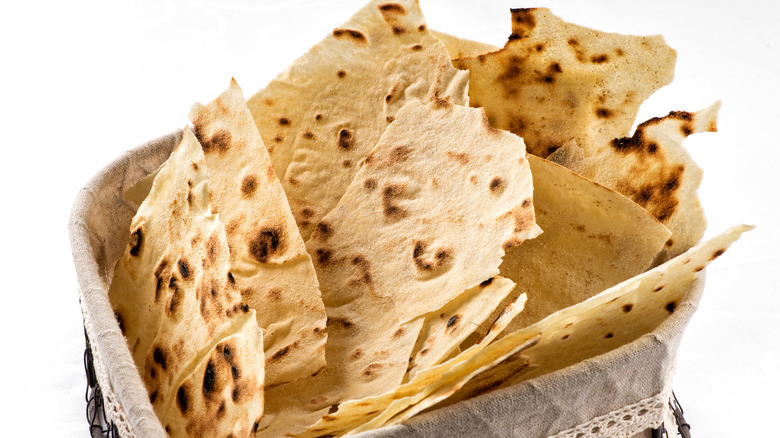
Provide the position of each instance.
(324, 114)
(555, 81)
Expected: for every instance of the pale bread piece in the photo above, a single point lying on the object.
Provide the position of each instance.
(555, 81)
(445, 329)
(443, 195)
(458, 47)
(353, 413)
(653, 169)
(268, 259)
(594, 238)
(324, 114)
(223, 396)
(616, 316)
(141, 277)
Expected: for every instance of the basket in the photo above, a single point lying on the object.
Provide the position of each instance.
(624, 392)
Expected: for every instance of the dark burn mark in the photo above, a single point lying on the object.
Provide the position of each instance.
(209, 380)
(390, 209)
(341, 74)
(460, 157)
(439, 258)
(599, 59)
(308, 135)
(417, 47)
(346, 140)
(173, 306)
(671, 307)
(266, 242)
(284, 121)
(357, 354)
(496, 184)
(392, 8)
(136, 238)
(717, 254)
(324, 230)
(332, 320)
(318, 117)
(539, 48)
(230, 277)
(182, 399)
(526, 203)
(453, 321)
(513, 36)
(159, 358)
(323, 256)
(686, 130)
(699, 268)
(565, 337)
(280, 354)
(486, 283)
(372, 369)
(218, 142)
(369, 183)
(184, 268)
(398, 30)
(604, 113)
(523, 20)
(274, 294)
(608, 335)
(658, 289)
(158, 290)
(278, 139)
(398, 333)
(400, 154)
(236, 394)
(153, 396)
(627, 308)
(421, 28)
(356, 35)
(307, 212)
(346, 164)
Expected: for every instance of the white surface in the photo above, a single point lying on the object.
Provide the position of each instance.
(83, 81)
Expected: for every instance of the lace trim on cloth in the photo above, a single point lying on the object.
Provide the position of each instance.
(627, 421)
(113, 408)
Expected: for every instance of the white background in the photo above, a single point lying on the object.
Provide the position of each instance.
(82, 81)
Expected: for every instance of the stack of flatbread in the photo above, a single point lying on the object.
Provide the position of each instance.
(389, 227)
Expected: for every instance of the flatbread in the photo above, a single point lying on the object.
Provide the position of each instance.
(444, 330)
(325, 113)
(197, 302)
(616, 316)
(555, 81)
(137, 290)
(442, 196)
(654, 170)
(375, 410)
(594, 238)
(268, 259)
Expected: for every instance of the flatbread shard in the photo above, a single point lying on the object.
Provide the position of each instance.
(137, 291)
(268, 259)
(554, 81)
(326, 112)
(198, 304)
(653, 169)
(443, 195)
(619, 314)
(594, 238)
(374, 411)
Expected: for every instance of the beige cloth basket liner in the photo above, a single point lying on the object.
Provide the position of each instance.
(621, 393)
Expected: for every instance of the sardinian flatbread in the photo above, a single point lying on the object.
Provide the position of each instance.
(554, 81)
(325, 113)
(653, 169)
(268, 259)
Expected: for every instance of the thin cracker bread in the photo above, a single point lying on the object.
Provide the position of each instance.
(268, 259)
(653, 169)
(555, 81)
(325, 113)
